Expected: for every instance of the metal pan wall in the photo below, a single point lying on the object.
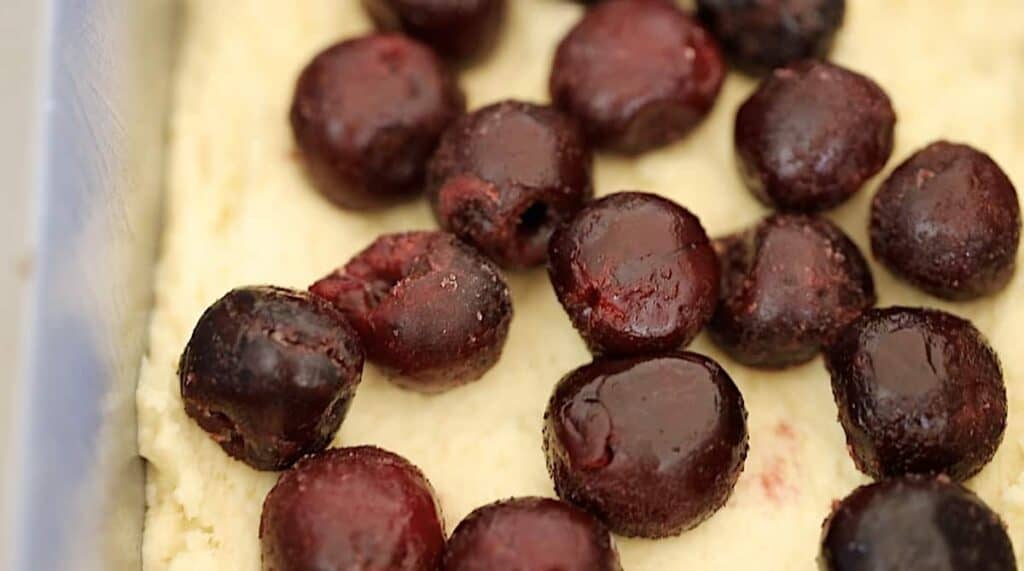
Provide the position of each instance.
(74, 484)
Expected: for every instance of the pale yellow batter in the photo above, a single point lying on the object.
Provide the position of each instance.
(240, 212)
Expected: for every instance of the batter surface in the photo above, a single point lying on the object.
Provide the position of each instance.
(240, 212)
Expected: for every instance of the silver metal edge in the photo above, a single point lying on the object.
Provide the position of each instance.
(76, 487)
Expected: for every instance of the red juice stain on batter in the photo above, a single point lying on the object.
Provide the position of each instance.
(786, 431)
(775, 484)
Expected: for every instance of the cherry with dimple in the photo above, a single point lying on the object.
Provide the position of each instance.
(505, 176)
(429, 308)
(652, 446)
(789, 286)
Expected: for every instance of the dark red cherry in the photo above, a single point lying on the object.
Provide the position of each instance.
(530, 533)
(948, 221)
(270, 373)
(760, 35)
(429, 308)
(915, 524)
(505, 176)
(918, 391)
(638, 74)
(789, 286)
(652, 446)
(455, 28)
(812, 134)
(352, 508)
(367, 115)
(636, 273)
